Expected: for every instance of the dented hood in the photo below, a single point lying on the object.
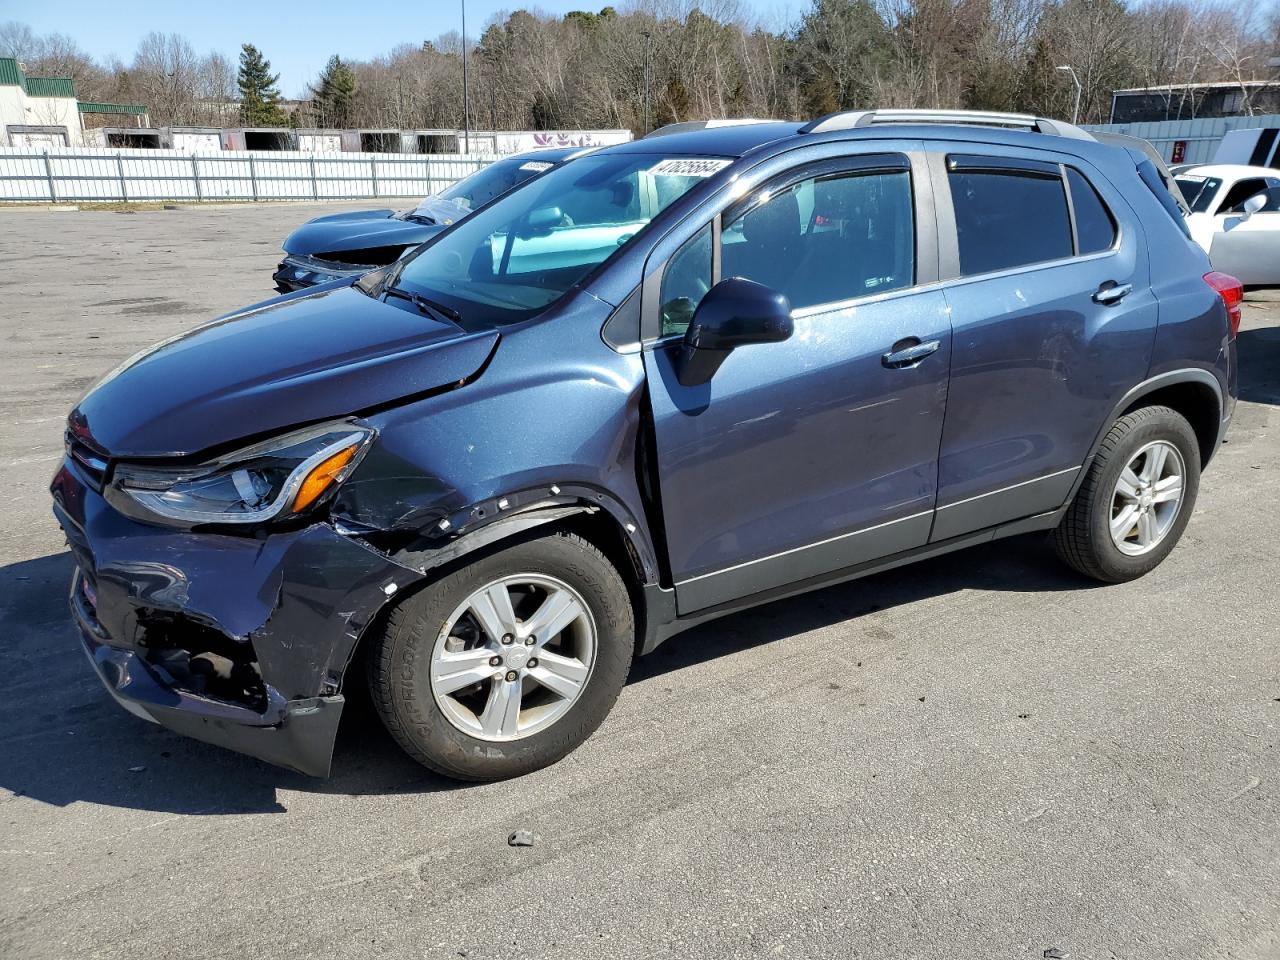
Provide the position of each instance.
(293, 361)
(356, 231)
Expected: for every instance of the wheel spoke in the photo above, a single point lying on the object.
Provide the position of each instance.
(561, 675)
(558, 610)
(501, 713)
(492, 609)
(1154, 463)
(1168, 490)
(1146, 528)
(453, 671)
(1122, 523)
(1127, 485)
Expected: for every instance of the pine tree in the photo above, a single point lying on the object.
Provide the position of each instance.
(259, 95)
(334, 94)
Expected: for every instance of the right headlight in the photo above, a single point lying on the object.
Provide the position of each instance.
(278, 478)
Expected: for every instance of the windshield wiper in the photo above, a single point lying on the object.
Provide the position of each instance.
(424, 304)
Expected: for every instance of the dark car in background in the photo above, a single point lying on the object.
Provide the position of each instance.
(668, 381)
(348, 244)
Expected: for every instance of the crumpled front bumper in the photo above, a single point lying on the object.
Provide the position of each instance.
(299, 272)
(291, 607)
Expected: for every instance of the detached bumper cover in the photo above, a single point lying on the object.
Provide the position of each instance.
(295, 603)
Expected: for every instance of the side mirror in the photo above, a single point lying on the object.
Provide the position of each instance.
(540, 221)
(734, 313)
(1253, 205)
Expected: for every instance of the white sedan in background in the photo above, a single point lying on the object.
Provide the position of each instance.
(1235, 216)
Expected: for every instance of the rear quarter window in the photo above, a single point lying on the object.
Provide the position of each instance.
(1095, 227)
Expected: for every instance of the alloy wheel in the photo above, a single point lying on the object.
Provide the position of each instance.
(1147, 498)
(514, 657)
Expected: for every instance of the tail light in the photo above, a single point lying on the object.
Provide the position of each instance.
(1231, 291)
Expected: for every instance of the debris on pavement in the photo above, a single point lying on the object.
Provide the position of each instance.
(520, 838)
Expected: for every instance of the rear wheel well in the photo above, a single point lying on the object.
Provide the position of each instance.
(1196, 402)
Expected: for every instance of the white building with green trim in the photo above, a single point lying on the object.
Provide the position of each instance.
(44, 111)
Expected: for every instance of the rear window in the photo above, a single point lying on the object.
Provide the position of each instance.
(1197, 191)
(1008, 219)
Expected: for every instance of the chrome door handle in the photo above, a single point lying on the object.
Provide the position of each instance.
(910, 355)
(1112, 292)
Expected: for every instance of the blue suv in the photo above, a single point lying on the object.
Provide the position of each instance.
(670, 380)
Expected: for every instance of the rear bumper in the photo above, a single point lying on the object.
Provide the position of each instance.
(272, 624)
(298, 273)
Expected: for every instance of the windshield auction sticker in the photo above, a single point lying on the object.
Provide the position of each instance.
(688, 167)
(537, 166)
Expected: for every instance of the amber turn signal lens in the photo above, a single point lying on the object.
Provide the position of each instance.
(319, 479)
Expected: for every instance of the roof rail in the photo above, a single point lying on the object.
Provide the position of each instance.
(685, 126)
(849, 119)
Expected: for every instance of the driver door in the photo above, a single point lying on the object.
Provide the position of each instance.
(821, 452)
(1248, 248)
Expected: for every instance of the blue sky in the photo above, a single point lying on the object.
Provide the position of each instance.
(296, 37)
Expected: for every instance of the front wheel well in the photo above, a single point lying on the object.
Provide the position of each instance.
(597, 527)
(1196, 402)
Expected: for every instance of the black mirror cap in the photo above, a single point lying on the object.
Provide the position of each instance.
(736, 312)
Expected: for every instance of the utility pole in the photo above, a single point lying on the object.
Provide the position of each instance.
(466, 116)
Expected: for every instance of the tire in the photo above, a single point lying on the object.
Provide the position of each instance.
(1083, 539)
(428, 724)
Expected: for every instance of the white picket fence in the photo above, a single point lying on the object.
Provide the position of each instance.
(86, 174)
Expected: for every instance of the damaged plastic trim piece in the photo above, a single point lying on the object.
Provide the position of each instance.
(478, 526)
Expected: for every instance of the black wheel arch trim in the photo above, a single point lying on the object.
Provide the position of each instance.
(1197, 375)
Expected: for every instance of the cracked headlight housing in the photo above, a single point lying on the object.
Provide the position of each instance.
(279, 478)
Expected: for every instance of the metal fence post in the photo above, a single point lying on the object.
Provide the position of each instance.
(373, 174)
(48, 175)
(195, 177)
(124, 194)
(315, 190)
(253, 176)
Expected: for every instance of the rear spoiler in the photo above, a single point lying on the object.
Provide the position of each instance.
(1144, 147)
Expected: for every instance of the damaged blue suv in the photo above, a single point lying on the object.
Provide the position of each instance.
(668, 381)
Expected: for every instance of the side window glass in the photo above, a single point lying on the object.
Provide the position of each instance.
(1008, 219)
(686, 281)
(1233, 202)
(827, 239)
(1095, 228)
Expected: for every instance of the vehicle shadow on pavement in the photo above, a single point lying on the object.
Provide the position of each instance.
(1258, 350)
(1019, 564)
(65, 741)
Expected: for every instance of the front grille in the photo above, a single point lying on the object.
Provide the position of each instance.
(91, 465)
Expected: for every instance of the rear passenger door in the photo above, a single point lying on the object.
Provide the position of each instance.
(820, 452)
(1053, 321)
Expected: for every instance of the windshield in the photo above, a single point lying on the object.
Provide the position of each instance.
(1198, 191)
(493, 181)
(516, 257)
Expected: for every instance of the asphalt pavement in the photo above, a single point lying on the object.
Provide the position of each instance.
(980, 756)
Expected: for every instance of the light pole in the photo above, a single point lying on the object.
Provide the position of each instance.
(1075, 111)
(466, 116)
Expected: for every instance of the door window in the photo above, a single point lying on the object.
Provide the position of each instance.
(685, 281)
(1009, 218)
(827, 239)
(1233, 202)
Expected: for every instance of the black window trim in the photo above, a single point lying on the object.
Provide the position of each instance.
(910, 162)
(948, 236)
